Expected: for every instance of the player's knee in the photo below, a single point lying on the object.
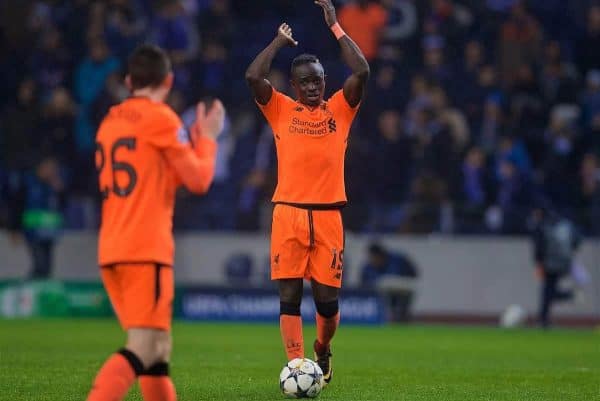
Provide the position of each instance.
(290, 291)
(163, 347)
(143, 353)
(289, 308)
(150, 346)
(327, 309)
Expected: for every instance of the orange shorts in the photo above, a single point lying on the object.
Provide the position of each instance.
(141, 294)
(307, 244)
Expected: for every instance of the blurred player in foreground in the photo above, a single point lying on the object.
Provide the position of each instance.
(307, 239)
(143, 153)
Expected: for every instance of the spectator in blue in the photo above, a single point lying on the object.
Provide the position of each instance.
(514, 196)
(450, 19)
(19, 122)
(258, 179)
(474, 191)
(559, 77)
(37, 212)
(488, 132)
(526, 102)
(588, 57)
(511, 148)
(467, 71)
(217, 23)
(378, 272)
(590, 101)
(238, 269)
(392, 171)
(50, 64)
(435, 66)
(390, 88)
(427, 195)
(174, 31)
(382, 262)
(559, 164)
(125, 26)
(475, 98)
(90, 77)
(55, 134)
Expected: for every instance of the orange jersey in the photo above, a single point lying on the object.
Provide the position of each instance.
(137, 146)
(311, 147)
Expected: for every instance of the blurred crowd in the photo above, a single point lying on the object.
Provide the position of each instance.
(477, 110)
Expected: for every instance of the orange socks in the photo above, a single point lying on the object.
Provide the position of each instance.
(326, 328)
(290, 323)
(115, 377)
(156, 385)
(157, 388)
(119, 372)
(291, 334)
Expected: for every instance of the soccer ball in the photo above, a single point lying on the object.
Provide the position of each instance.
(301, 378)
(514, 316)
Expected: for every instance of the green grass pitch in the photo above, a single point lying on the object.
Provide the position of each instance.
(57, 360)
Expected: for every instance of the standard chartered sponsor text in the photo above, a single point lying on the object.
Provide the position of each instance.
(308, 127)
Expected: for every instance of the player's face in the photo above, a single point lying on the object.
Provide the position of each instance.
(308, 80)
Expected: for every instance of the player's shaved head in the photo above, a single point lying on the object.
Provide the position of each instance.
(303, 59)
(148, 67)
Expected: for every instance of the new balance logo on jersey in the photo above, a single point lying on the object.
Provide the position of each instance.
(332, 125)
(299, 109)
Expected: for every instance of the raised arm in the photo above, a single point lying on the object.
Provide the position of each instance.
(195, 166)
(354, 87)
(256, 74)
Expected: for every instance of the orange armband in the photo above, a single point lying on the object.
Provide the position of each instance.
(337, 30)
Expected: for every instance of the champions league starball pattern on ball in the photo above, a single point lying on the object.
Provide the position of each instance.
(301, 378)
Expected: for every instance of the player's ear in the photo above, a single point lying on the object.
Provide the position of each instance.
(168, 82)
(128, 82)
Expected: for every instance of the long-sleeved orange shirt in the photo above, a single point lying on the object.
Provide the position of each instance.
(143, 154)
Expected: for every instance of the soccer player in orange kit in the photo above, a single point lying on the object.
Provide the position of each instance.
(307, 238)
(143, 152)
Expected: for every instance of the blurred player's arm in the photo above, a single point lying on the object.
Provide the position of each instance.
(256, 74)
(195, 165)
(355, 84)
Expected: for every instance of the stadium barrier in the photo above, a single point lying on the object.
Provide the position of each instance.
(54, 298)
(459, 276)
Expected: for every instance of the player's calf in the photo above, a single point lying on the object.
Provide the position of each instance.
(328, 318)
(116, 376)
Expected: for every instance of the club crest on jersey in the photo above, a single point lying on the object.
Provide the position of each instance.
(183, 136)
(332, 125)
